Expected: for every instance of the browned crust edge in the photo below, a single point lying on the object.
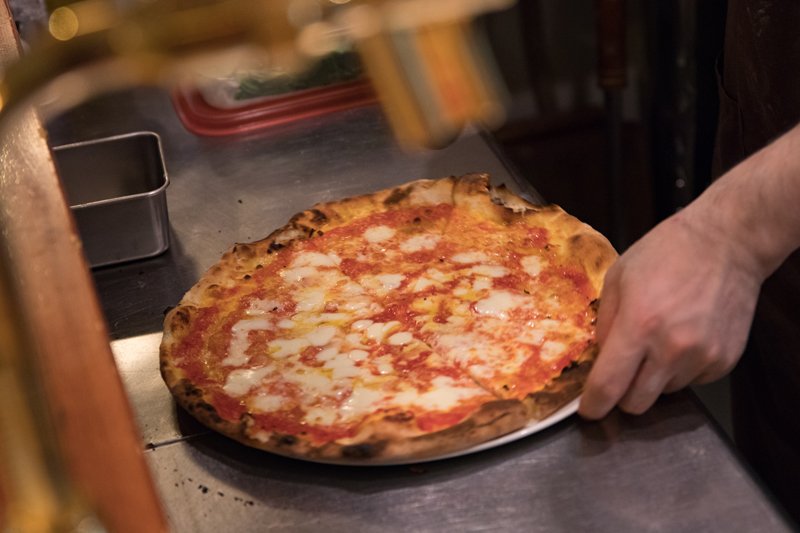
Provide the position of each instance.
(386, 439)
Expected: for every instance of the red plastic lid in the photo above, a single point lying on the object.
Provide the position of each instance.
(202, 118)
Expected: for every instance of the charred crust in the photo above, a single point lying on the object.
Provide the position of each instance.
(363, 451)
(286, 440)
(397, 195)
(274, 246)
(192, 399)
(404, 416)
(182, 316)
(208, 411)
(189, 390)
(318, 217)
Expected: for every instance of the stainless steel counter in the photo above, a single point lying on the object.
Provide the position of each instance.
(669, 470)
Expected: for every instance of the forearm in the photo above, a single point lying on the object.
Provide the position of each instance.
(756, 206)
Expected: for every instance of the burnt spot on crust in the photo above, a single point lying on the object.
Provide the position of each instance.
(194, 403)
(309, 230)
(182, 317)
(404, 416)
(274, 246)
(318, 217)
(286, 440)
(365, 450)
(205, 411)
(397, 195)
(189, 390)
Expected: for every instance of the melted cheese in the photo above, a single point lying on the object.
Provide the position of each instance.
(324, 416)
(531, 336)
(296, 275)
(498, 304)
(470, 257)
(399, 339)
(267, 403)
(422, 283)
(328, 353)
(378, 330)
(343, 367)
(384, 366)
(532, 265)
(310, 300)
(360, 325)
(241, 380)
(418, 243)
(315, 259)
(361, 401)
(240, 342)
(379, 234)
(444, 394)
(468, 348)
(281, 348)
(552, 350)
(481, 284)
(490, 271)
(321, 335)
(327, 318)
(382, 284)
(358, 355)
(262, 307)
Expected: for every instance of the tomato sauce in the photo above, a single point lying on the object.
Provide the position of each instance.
(292, 423)
(437, 420)
(537, 238)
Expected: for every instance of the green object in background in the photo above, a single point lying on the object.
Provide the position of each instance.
(334, 68)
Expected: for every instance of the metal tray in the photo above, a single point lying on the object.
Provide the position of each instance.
(116, 188)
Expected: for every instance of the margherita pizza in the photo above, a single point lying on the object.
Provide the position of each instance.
(400, 325)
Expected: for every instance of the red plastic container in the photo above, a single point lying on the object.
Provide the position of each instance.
(202, 118)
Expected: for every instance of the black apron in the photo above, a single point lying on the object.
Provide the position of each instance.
(759, 100)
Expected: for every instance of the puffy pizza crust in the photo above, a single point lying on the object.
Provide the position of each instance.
(391, 438)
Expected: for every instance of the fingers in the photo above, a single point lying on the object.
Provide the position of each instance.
(645, 389)
(609, 304)
(618, 360)
(610, 378)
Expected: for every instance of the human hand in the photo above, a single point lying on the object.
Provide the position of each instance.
(675, 310)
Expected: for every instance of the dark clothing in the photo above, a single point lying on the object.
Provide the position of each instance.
(760, 100)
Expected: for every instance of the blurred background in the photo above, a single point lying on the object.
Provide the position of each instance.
(623, 161)
(556, 132)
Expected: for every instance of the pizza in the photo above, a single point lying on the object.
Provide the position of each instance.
(401, 325)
